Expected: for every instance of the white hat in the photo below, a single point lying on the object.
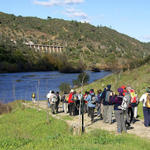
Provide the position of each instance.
(71, 91)
(50, 91)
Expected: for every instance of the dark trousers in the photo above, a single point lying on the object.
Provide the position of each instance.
(146, 112)
(91, 113)
(71, 108)
(130, 113)
(56, 106)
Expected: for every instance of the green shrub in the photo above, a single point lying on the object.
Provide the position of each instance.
(83, 78)
(64, 87)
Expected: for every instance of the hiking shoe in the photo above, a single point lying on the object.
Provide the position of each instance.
(129, 128)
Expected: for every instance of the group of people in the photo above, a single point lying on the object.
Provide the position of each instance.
(122, 105)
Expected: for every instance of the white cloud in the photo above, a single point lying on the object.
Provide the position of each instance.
(73, 1)
(48, 3)
(71, 12)
(57, 2)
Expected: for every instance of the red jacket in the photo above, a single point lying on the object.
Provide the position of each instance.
(84, 98)
(70, 99)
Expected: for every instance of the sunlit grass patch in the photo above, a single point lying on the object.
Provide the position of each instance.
(29, 129)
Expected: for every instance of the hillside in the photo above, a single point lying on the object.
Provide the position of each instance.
(138, 79)
(100, 46)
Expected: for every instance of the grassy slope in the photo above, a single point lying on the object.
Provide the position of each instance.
(27, 129)
(138, 79)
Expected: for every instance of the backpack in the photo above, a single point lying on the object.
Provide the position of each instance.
(107, 97)
(125, 102)
(147, 104)
(133, 96)
(54, 99)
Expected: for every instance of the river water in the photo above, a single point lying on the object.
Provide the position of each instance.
(20, 86)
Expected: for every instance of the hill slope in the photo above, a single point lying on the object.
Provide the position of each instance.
(94, 45)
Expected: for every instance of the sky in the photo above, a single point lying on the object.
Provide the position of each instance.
(130, 17)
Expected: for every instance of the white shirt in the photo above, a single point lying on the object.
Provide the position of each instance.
(48, 95)
(143, 99)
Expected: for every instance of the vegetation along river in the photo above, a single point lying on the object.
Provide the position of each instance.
(20, 86)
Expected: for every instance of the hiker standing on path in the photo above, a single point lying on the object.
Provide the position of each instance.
(107, 107)
(58, 101)
(85, 102)
(53, 100)
(48, 98)
(134, 105)
(126, 105)
(71, 103)
(119, 113)
(64, 102)
(98, 103)
(145, 99)
(91, 104)
(33, 97)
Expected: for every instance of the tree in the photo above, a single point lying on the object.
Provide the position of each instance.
(64, 87)
(82, 79)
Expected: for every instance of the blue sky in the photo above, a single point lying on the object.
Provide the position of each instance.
(130, 17)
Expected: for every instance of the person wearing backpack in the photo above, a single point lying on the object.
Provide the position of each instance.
(53, 100)
(134, 105)
(119, 113)
(107, 106)
(145, 99)
(64, 102)
(91, 99)
(126, 105)
(71, 103)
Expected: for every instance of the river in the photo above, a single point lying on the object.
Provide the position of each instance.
(20, 86)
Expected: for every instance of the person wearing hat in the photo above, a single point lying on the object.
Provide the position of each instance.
(119, 113)
(145, 99)
(125, 105)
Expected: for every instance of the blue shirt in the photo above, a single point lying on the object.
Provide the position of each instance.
(89, 100)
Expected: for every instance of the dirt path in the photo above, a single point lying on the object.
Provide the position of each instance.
(138, 128)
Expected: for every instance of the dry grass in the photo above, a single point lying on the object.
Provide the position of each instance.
(5, 108)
